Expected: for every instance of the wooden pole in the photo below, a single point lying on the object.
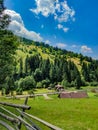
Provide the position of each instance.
(25, 107)
(6, 125)
(19, 118)
(43, 122)
(23, 110)
(29, 119)
(37, 94)
(9, 118)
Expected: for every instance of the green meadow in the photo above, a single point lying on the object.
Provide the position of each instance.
(68, 114)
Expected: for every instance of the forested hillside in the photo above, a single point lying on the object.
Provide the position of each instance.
(39, 65)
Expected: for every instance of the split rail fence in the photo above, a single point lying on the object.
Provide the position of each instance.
(20, 120)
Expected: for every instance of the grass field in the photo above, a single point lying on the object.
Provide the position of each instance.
(68, 114)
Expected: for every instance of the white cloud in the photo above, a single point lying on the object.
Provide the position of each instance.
(60, 26)
(17, 26)
(60, 10)
(45, 7)
(64, 12)
(85, 49)
(65, 29)
(61, 45)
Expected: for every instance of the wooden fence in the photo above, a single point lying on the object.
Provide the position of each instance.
(12, 121)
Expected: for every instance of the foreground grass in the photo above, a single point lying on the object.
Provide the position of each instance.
(69, 114)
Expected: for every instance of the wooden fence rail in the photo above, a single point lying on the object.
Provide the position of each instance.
(13, 120)
(7, 126)
(53, 127)
(23, 117)
(16, 105)
(35, 95)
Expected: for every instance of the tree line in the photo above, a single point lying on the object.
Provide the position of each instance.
(37, 72)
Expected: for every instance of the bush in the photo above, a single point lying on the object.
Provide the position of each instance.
(94, 83)
(19, 91)
(29, 83)
(45, 83)
(65, 83)
(39, 85)
(26, 83)
(38, 75)
(3, 91)
(31, 92)
(73, 84)
(52, 85)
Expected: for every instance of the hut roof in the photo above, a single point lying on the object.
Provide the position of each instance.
(58, 86)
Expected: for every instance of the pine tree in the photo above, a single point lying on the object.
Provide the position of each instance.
(45, 68)
(26, 65)
(21, 68)
(85, 72)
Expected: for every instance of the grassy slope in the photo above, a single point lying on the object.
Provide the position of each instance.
(25, 49)
(69, 114)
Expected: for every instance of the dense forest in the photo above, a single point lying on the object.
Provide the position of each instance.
(26, 65)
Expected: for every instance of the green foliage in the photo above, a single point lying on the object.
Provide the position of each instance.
(21, 68)
(39, 85)
(26, 65)
(34, 62)
(65, 83)
(19, 91)
(29, 83)
(38, 75)
(45, 83)
(9, 85)
(58, 70)
(4, 19)
(8, 46)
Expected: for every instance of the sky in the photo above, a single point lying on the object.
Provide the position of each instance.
(67, 24)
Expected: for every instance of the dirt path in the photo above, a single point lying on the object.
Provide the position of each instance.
(46, 97)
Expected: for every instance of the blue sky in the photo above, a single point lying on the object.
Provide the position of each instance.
(68, 24)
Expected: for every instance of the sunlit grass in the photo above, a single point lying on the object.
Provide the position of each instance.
(69, 114)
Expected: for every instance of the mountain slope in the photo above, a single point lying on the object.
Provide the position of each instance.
(50, 65)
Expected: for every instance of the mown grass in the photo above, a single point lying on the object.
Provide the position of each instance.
(68, 114)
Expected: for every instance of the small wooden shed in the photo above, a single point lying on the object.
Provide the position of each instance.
(59, 87)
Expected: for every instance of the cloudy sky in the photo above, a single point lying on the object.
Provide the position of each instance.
(68, 24)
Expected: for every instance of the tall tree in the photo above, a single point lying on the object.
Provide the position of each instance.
(85, 72)
(4, 18)
(21, 68)
(8, 45)
(26, 65)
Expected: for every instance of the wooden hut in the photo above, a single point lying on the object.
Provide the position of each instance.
(59, 87)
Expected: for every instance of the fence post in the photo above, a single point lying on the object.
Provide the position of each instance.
(23, 110)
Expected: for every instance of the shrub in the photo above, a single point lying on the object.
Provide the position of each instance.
(45, 83)
(29, 83)
(39, 85)
(19, 91)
